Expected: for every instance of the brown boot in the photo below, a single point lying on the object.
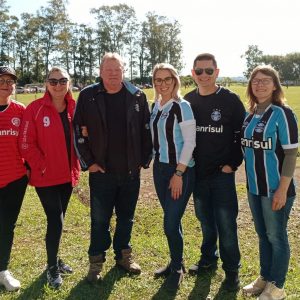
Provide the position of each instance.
(127, 263)
(96, 264)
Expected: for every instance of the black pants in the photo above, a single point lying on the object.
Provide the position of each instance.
(55, 200)
(11, 198)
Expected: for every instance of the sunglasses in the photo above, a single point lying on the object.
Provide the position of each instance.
(7, 81)
(208, 71)
(61, 81)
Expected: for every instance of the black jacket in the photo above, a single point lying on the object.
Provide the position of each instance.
(90, 112)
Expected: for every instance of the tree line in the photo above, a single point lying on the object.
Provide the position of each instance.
(287, 65)
(33, 42)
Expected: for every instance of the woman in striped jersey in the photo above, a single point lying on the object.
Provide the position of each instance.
(13, 179)
(173, 130)
(270, 143)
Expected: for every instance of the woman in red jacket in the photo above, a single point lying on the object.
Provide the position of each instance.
(46, 143)
(13, 179)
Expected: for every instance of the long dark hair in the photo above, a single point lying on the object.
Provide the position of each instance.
(278, 97)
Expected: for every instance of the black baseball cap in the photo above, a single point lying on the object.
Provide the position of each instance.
(8, 71)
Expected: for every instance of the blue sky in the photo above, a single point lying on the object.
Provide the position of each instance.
(223, 28)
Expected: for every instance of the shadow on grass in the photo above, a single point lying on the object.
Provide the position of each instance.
(223, 294)
(164, 294)
(202, 285)
(100, 290)
(35, 290)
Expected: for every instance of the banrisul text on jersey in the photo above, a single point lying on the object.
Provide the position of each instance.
(263, 142)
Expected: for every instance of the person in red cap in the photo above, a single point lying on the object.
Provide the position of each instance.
(13, 178)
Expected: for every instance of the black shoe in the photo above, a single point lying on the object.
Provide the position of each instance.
(163, 272)
(174, 280)
(53, 277)
(63, 268)
(231, 282)
(202, 266)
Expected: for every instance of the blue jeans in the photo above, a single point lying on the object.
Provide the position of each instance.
(109, 192)
(216, 208)
(173, 209)
(271, 227)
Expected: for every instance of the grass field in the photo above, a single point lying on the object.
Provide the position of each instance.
(292, 94)
(149, 245)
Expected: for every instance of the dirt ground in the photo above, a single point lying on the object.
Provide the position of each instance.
(148, 195)
(147, 186)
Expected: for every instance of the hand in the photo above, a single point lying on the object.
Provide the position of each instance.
(227, 169)
(84, 131)
(176, 186)
(95, 168)
(279, 199)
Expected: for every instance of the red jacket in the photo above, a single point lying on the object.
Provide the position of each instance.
(11, 164)
(42, 143)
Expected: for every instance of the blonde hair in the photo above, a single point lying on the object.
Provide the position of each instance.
(165, 66)
(278, 97)
(64, 73)
(112, 56)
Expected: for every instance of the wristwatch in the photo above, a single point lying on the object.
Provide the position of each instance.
(179, 173)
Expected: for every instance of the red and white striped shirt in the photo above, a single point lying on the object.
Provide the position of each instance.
(11, 163)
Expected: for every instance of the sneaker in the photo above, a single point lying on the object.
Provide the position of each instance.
(174, 280)
(127, 263)
(202, 266)
(272, 292)
(8, 281)
(63, 268)
(231, 282)
(256, 287)
(53, 277)
(163, 272)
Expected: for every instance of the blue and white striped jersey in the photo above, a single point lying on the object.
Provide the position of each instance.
(264, 137)
(165, 125)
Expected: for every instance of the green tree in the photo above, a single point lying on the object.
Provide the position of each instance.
(8, 29)
(114, 27)
(162, 41)
(4, 17)
(288, 65)
(293, 60)
(253, 58)
(53, 17)
(28, 54)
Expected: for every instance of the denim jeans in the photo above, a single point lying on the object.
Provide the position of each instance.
(271, 227)
(216, 208)
(173, 209)
(109, 192)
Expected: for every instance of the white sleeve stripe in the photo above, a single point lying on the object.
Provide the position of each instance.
(290, 146)
(187, 123)
(189, 142)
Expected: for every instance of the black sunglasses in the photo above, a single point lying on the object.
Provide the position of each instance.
(61, 81)
(208, 71)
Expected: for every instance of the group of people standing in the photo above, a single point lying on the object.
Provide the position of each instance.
(197, 143)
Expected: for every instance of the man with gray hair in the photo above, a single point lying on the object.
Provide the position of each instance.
(113, 142)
